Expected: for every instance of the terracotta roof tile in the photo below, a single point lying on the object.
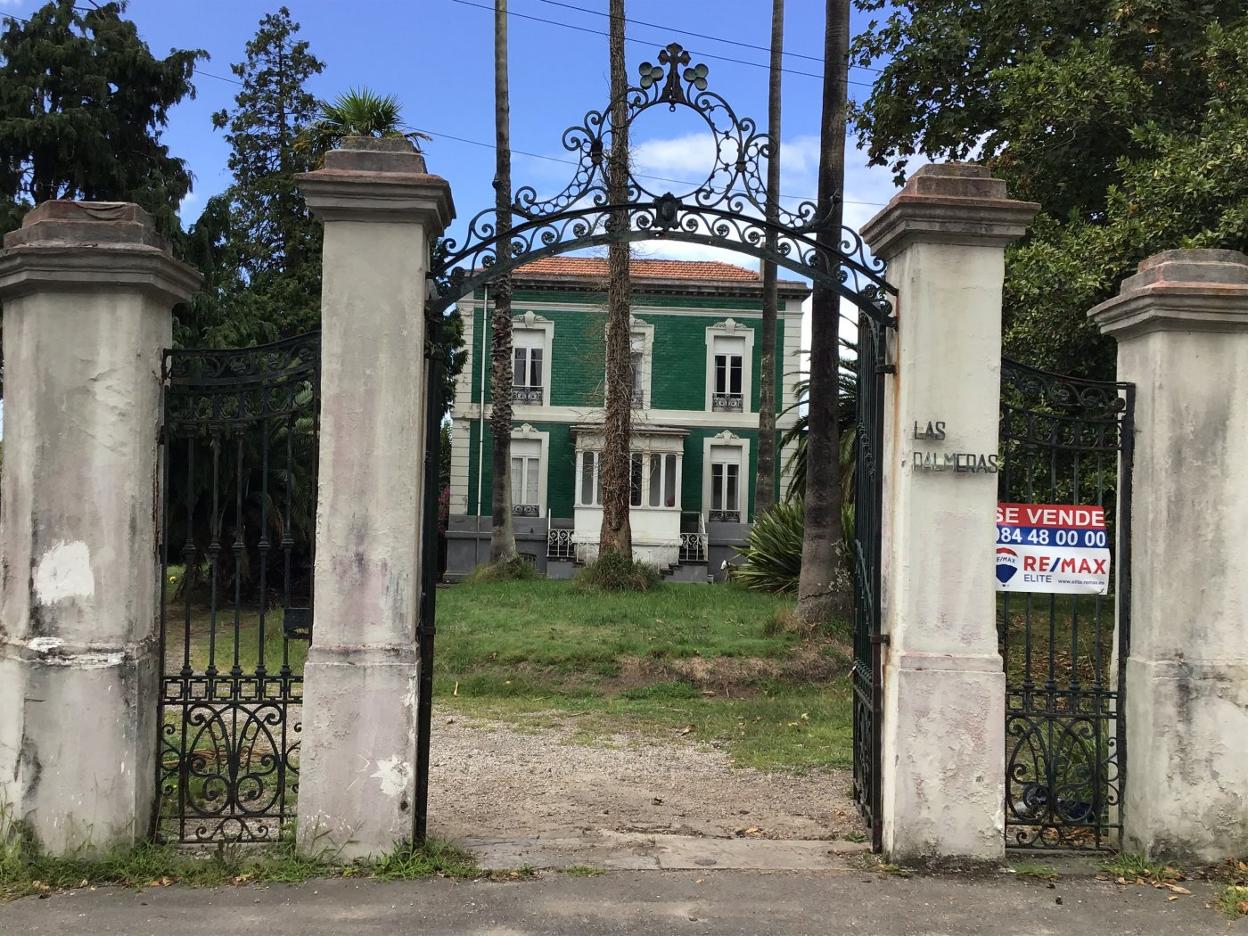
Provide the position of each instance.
(710, 270)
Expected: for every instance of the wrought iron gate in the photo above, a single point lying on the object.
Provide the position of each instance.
(872, 367)
(239, 504)
(1066, 441)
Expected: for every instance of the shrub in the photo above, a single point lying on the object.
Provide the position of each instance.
(515, 569)
(773, 551)
(615, 571)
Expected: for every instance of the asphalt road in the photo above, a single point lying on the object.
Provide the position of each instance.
(654, 903)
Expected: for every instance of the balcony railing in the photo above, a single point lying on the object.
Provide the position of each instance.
(559, 545)
(525, 510)
(727, 403)
(725, 516)
(693, 547)
(531, 396)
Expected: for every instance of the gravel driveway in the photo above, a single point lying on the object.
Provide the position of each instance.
(489, 779)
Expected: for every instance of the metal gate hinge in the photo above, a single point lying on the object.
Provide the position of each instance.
(881, 640)
(886, 368)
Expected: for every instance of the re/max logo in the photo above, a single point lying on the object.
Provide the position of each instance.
(1078, 566)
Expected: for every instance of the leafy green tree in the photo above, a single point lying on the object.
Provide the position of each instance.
(263, 245)
(1126, 121)
(83, 103)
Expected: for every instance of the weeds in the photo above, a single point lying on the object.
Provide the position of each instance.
(1034, 870)
(616, 572)
(1233, 901)
(25, 871)
(515, 569)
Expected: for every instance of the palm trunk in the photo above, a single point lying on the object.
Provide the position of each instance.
(765, 485)
(824, 591)
(616, 534)
(502, 537)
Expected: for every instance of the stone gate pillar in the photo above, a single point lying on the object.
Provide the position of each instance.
(944, 237)
(88, 290)
(1182, 329)
(381, 211)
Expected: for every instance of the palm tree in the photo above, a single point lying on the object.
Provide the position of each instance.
(824, 591)
(502, 536)
(765, 483)
(358, 112)
(616, 535)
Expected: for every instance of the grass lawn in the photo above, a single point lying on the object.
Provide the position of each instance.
(693, 662)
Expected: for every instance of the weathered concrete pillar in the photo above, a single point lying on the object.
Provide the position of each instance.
(944, 237)
(1182, 328)
(88, 289)
(381, 210)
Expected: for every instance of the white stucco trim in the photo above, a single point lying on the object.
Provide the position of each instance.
(733, 329)
(789, 308)
(526, 432)
(685, 419)
(727, 438)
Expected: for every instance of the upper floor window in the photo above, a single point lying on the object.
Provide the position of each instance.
(729, 394)
(729, 361)
(636, 366)
(531, 339)
(526, 375)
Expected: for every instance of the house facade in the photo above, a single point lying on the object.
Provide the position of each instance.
(696, 339)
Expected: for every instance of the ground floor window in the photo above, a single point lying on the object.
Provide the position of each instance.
(654, 479)
(526, 461)
(725, 484)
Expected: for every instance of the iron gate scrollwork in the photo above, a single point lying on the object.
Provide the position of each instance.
(872, 368)
(727, 209)
(1066, 441)
(239, 452)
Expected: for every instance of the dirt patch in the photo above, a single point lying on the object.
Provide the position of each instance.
(738, 677)
(493, 780)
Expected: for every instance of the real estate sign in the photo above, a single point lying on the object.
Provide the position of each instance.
(1062, 548)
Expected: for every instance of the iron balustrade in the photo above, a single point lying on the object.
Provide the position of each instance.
(526, 510)
(727, 402)
(559, 545)
(529, 396)
(1066, 441)
(693, 547)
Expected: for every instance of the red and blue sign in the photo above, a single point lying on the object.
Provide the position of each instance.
(1059, 548)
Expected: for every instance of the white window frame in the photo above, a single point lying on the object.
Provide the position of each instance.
(730, 440)
(731, 328)
(526, 433)
(530, 330)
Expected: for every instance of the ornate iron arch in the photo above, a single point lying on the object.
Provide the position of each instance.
(727, 209)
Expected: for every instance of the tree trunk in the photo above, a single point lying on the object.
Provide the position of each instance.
(502, 537)
(616, 534)
(824, 590)
(765, 484)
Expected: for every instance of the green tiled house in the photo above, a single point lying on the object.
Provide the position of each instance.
(695, 345)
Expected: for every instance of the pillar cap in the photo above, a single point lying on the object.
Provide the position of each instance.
(378, 179)
(1180, 290)
(949, 203)
(67, 244)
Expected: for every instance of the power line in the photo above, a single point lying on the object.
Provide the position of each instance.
(697, 35)
(650, 44)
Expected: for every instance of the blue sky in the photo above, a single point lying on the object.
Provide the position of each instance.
(436, 56)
